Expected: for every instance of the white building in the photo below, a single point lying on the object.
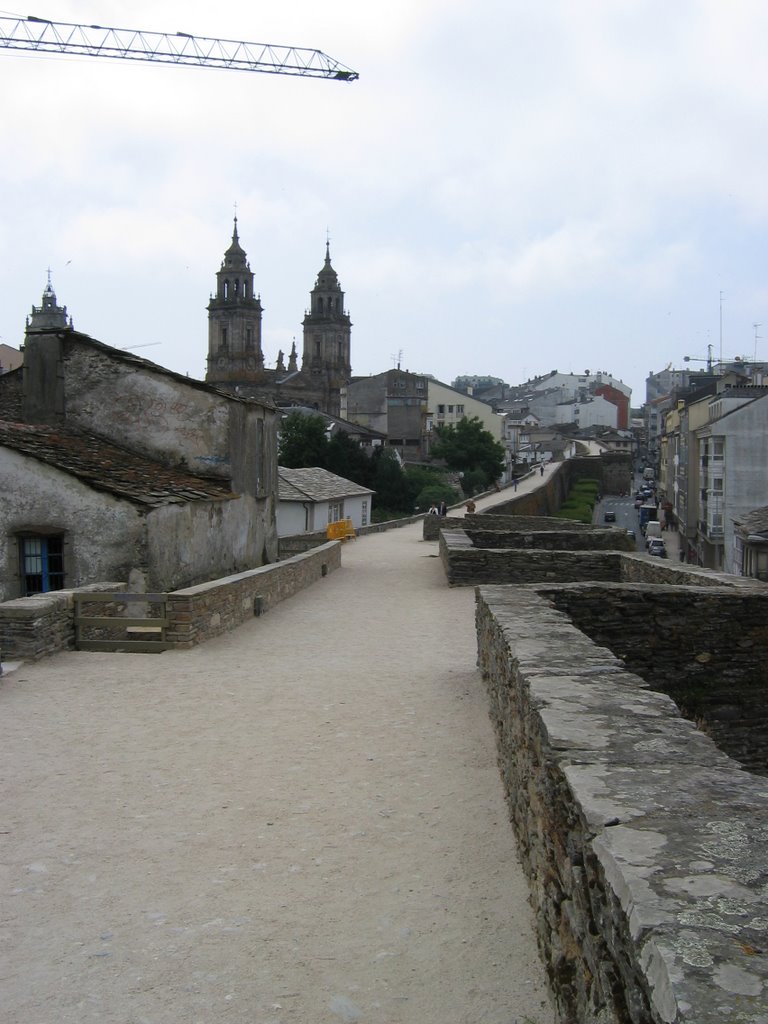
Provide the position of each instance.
(590, 412)
(733, 465)
(310, 499)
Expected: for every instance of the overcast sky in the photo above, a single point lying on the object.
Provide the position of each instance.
(511, 186)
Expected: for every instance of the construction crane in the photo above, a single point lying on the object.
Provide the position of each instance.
(42, 36)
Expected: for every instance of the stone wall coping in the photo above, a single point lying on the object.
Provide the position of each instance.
(678, 829)
(41, 604)
(249, 574)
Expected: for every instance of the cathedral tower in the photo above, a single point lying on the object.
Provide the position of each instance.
(49, 314)
(327, 333)
(234, 322)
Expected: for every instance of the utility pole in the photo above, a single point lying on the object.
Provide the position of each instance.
(721, 328)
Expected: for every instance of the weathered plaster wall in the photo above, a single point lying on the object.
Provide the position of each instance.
(146, 411)
(104, 537)
(645, 846)
(199, 541)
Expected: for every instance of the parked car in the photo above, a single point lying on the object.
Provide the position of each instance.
(609, 517)
(631, 533)
(657, 548)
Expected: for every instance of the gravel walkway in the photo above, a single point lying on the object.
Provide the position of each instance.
(301, 821)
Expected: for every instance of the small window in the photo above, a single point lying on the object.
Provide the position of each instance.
(335, 511)
(441, 410)
(450, 408)
(364, 513)
(42, 564)
(459, 410)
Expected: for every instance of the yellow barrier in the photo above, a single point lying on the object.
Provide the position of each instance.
(340, 530)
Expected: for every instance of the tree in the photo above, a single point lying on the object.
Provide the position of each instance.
(346, 458)
(303, 441)
(428, 486)
(468, 447)
(390, 483)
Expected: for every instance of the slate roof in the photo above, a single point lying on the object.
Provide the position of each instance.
(754, 522)
(314, 484)
(334, 424)
(105, 466)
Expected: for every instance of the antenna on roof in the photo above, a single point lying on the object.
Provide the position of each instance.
(397, 358)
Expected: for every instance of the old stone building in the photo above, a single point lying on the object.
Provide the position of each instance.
(114, 468)
(235, 355)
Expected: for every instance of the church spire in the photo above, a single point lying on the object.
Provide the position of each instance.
(234, 320)
(49, 314)
(327, 330)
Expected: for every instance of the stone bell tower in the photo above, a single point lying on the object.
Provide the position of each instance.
(234, 322)
(327, 339)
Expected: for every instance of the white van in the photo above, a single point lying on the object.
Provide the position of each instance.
(652, 530)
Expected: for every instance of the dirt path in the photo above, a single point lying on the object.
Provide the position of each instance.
(299, 822)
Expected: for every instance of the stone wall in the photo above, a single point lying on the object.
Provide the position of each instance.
(34, 627)
(599, 538)
(202, 612)
(466, 565)
(706, 648)
(543, 501)
(645, 846)
(538, 524)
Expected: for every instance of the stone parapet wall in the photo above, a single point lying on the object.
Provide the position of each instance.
(210, 609)
(704, 647)
(597, 539)
(432, 525)
(645, 846)
(640, 568)
(544, 500)
(34, 627)
(465, 565)
(540, 524)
